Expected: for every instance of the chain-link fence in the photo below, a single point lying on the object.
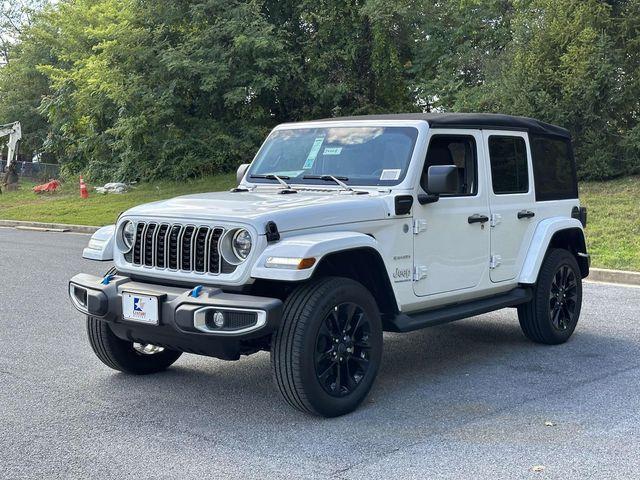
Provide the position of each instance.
(35, 171)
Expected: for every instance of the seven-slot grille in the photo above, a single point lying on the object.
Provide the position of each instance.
(177, 247)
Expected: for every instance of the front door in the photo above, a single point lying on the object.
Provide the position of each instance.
(451, 236)
(512, 202)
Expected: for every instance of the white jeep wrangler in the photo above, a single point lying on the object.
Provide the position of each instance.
(341, 229)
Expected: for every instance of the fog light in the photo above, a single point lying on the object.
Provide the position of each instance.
(213, 319)
(221, 320)
(218, 319)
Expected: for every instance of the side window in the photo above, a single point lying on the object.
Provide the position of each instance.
(554, 172)
(458, 150)
(508, 156)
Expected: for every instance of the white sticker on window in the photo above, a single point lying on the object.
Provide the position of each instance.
(332, 151)
(313, 153)
(391, 174)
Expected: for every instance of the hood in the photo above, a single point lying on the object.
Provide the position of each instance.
(290, 212)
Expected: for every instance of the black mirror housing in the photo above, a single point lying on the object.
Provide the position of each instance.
(426, 198)
(442, 180)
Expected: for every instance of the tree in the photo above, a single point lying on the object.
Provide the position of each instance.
(15, 16)
(563, 66)
(459, 51)
(347, 56)
(123, 89)
(150, 88)
(22, 86)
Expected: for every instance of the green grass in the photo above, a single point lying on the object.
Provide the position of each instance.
(613, 231)
(613, 224)
(66, 206)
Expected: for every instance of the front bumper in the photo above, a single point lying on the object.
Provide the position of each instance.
(183, 316)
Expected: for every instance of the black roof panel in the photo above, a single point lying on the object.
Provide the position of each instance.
(471, 120)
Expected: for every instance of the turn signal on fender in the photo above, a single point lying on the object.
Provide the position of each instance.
(290, 263)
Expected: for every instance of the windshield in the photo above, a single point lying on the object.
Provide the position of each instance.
(355, 155)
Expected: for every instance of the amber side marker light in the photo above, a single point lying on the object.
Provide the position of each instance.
(290, 263)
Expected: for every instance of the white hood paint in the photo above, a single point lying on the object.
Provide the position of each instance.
(295, 211)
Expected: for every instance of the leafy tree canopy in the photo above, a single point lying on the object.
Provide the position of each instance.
(121, 89)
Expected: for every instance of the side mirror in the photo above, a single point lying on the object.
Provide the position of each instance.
(242, 169)
(442, 179)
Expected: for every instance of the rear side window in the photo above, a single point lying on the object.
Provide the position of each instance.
(508, 156)
(553, 169)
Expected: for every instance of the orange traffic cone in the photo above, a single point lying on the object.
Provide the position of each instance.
(83, 189)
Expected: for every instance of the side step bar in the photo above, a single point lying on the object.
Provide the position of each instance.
(415, 321)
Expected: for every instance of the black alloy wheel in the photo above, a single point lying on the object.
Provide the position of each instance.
(327, 350)
(342, 349)
(553, 313)
(563, 298)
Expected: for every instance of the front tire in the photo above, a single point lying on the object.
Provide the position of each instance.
(127, 356)
(327, 351)
(552, 315)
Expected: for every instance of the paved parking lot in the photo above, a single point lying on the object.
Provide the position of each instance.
(465, 400)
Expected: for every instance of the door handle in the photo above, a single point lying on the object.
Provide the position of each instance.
(525, 214)
(477, 218)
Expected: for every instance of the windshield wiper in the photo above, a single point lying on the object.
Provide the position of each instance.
(279, 178)
(330, 178)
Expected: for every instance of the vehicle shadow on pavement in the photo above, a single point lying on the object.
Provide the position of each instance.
(476, 366)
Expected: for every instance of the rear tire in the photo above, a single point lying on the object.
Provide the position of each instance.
(122, 355)
(326, 354)
(552, 315)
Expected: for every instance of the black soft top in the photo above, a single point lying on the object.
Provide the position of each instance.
(492, 121)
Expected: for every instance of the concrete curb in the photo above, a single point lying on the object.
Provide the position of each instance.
(47, 227)
(614, 276)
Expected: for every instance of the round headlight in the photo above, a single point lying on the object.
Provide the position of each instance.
(241, 244)
(128, 234)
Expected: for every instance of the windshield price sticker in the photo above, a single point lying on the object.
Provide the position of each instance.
(390, 174)
(332, 151)
(315, 149)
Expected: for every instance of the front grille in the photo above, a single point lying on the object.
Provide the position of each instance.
(178, 247)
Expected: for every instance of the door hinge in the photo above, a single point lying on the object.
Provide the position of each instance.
(495, 219)
(419, 225)
(419, 272)
(494, 261)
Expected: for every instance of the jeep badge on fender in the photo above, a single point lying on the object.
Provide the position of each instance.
(338, 230)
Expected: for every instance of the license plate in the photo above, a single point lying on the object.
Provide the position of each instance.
(140, 308)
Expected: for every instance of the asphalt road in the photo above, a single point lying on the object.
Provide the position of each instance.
(465, 400)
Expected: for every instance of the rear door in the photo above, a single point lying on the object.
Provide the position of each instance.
(511, 201)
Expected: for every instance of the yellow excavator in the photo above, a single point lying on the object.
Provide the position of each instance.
(14, 131)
